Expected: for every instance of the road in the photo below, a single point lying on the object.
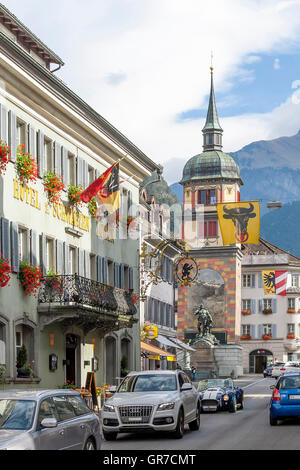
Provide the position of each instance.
(247, 429)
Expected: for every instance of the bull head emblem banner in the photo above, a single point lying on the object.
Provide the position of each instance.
(239, 222)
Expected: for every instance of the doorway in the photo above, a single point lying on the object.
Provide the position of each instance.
(71, 362)
(259, 360)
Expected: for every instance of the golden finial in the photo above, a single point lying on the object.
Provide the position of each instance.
(211, 62)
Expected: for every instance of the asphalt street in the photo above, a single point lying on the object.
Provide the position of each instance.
(247, 429)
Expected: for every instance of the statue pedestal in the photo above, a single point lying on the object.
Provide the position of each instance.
(203, 358)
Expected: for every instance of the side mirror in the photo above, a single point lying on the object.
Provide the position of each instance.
(186, 386)
(272, 387)
(113, 389)
(49, 423)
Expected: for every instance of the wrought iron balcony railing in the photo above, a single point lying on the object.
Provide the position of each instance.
(73, 289)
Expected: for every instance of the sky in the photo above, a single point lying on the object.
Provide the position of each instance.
(144, 66)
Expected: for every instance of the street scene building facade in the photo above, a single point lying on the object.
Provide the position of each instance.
(91, 321)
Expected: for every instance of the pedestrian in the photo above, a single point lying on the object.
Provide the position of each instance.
(157, 367)
(193, 369)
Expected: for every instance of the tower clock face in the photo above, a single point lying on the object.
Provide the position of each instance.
(186, 271)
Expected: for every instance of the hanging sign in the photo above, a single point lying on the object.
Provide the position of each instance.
(186, 271)
(151, 331)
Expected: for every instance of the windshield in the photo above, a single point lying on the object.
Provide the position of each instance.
(287, 383)
(16, 414)
(149, 383)
(212, 383)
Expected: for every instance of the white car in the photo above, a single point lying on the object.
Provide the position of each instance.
(162, 400)
(284, 368)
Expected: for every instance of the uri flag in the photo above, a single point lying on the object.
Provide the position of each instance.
(99, 184)
(274, 282)
(239, 222)
(109, 193)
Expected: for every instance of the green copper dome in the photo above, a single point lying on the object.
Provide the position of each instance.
(211, 165)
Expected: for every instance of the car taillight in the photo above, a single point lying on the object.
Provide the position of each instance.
(283, 368)
(276, 395)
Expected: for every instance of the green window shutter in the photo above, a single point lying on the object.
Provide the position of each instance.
(12, 135)
(40, 153)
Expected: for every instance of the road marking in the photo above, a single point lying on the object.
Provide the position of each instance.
(254, 383)
(258, 396)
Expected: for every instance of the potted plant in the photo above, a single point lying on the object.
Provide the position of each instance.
(74, 193)
(26, 166)
(5, 271)
(30, 277)
(291, 310)
(4, 156)
(245, 337)
(291, 336)
(266, 337)
(53, 280)
(266, 311)
(53, 185)
(246, 312)
(24, 369)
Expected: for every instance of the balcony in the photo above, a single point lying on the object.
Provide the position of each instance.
(73, 299)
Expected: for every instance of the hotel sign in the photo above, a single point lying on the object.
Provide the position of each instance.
(61, 211)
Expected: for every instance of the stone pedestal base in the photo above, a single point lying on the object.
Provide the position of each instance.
(203, 358)
(229, 359)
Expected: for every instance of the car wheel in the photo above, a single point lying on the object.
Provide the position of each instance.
(179, 431)
(195, 425)
(273, 421)
(242, 404)
(110, 436)
(233, 406)
(90, 444)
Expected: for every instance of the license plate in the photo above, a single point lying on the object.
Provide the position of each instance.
(294, 397)
(209, 407)
(138, 418)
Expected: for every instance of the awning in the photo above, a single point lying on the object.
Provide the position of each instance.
(163, 340)
(149, 348)
(183, 345)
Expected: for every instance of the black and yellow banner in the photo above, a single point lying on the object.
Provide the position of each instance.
(239, 222)
(109, 193)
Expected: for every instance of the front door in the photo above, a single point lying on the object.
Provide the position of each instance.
(71, 346)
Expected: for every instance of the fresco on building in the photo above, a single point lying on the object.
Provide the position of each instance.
(209, 291)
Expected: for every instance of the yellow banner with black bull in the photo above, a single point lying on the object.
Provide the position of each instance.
(239, 222)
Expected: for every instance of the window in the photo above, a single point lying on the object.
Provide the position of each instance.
(47, 410)
(291, 303)
(212, 197)
(207, 229)
(21, 134)
(126, 277)
(110, 270)
(295, 280)
(23, 240)
(64, 409)
(72, 260)
(267, 303)
(246, 280)
(246, 330)
(207, 197)
(291, 328)
(50, 257)
(79, 405)
(19, 339)
(49, 163)
(72, 169)
(267, 329)
(246, 304)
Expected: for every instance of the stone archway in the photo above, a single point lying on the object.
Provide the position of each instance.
(259, 359)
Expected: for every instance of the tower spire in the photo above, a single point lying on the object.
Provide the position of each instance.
(212, 131)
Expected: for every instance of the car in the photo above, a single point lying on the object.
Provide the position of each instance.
(283, 368)
(160, 400)
(268, 370)
(285, 400)
(220, 394)
(47, 420)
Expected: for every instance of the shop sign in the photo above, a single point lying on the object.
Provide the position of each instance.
(171, 358)
(151, 331)
(153, 356)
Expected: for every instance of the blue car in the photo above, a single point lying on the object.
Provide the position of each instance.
(220, 394)
(285, 401)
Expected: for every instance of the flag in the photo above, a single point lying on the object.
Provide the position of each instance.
(239, 222)
(274, 282)
(109, 192)
(97, 185)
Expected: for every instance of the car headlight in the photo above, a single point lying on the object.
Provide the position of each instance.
(165, 406)
(108, 408)
(226, 397)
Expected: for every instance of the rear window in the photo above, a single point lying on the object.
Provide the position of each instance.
(287, 383)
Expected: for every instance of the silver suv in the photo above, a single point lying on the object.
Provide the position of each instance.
(47, 420)
(152, 400)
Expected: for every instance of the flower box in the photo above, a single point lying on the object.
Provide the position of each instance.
(53, 185)
(291, 310)
(4, 156)
(30, 278)
(290, 336)
(245, 337)
(74, 193)
(26, 166)
(267, 311)
(246, 312)
(5, 271)
(266, 337)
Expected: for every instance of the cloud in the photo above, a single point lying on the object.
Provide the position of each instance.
(158, 53)
(276, 64)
